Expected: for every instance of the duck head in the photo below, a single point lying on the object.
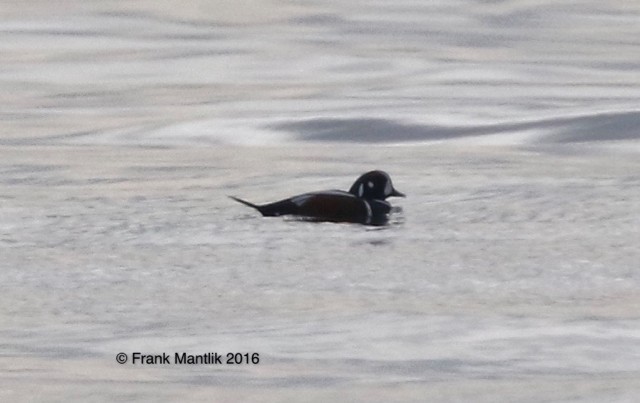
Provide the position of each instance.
(374, 185)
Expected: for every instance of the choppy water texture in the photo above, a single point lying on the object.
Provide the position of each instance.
(510, 272)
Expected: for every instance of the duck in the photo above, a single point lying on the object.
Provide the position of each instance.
(365, 202)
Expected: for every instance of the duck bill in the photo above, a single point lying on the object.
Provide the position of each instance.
(397, 194)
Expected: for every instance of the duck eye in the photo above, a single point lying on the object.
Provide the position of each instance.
(370, 184)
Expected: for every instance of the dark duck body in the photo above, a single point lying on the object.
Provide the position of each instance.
(365, 203)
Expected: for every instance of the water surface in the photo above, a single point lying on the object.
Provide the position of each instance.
(509, 273)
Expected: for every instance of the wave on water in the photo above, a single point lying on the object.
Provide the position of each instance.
(168, 74)
(602, 127)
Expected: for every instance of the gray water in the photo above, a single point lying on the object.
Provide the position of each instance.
(509, 273)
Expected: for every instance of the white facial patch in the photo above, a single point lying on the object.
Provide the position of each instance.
(388, 189)
(361, 190)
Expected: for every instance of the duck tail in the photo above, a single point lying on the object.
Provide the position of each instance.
(279, 208)
(246, 203)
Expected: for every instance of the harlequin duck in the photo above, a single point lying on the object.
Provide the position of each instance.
(364, 203)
